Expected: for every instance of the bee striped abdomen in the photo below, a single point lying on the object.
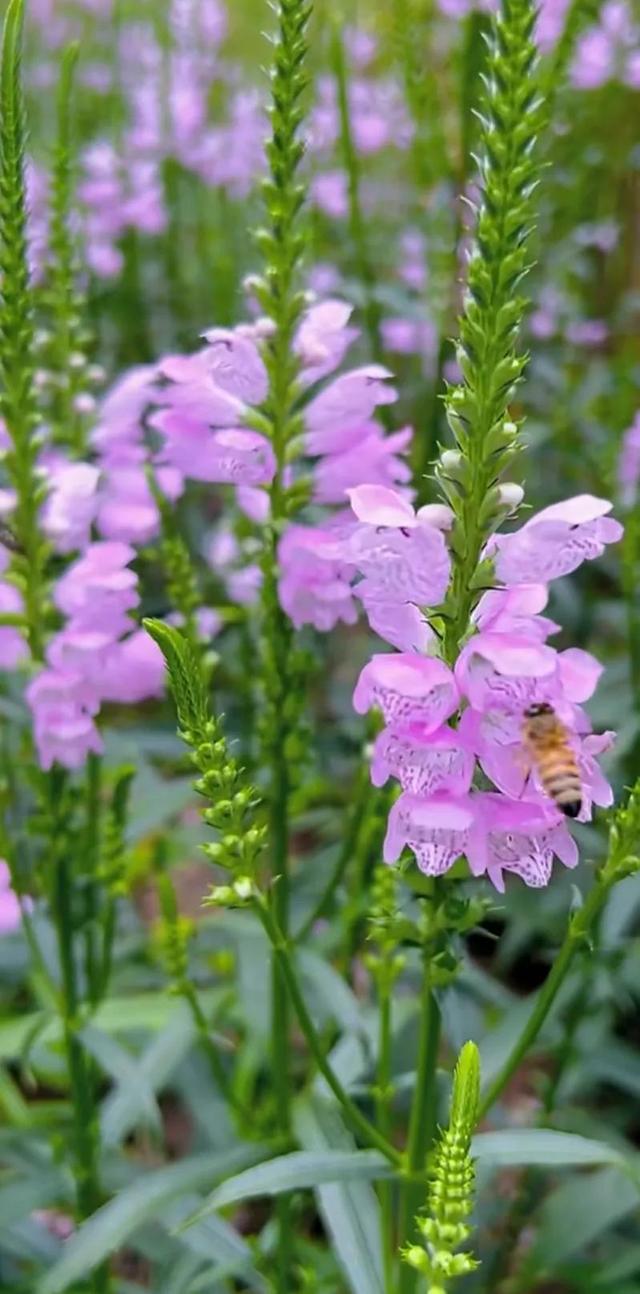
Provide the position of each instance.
(561, 781)
(547, 741)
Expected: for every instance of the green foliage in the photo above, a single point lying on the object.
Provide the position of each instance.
(18, 403)
(451, 1189)
(319, 990)
(477, 409)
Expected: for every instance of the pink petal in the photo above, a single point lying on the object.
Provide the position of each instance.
(575, 511)
(579, 673)
(379, 506)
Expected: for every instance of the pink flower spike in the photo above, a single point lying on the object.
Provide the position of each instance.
(438, 830)
(423, 762)
(378, 506)
(407, 689)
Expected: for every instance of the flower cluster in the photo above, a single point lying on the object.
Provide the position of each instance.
(166, 90)
(207, 421)
(97, 657)
(444, 722)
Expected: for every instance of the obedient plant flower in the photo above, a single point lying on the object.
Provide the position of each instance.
(556, 541)
(505, 666)
(97, 656)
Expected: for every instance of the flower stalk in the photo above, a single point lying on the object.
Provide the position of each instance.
(450, 1201)
(282, 243)
(64, 352)
(18, 396)
(486, 437)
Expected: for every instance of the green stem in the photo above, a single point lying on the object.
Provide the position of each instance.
(282, 955)
(423, 1118)
(90, 865)
(362, 799)
(357, 224)
(384, 1094)
(85, 1127)
(577, 933)
(219, 1074)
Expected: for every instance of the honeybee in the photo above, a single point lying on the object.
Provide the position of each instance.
(548, 746)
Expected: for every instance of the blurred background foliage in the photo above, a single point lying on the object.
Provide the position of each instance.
(169, 122)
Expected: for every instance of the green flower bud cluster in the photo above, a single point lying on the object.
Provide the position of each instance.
(450, 1202)
(112, 866)
(477, 409)
(386, 963)
(283, 240)
(65, 376)
(181, 577)
(623, 858)
(172, 934)
(233, 803)
(18, 391)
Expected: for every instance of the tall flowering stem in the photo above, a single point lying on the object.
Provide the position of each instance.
(64, 353)
(282, 243)
(57, 817)
(18, 402)
(477, 412)
(477, 409)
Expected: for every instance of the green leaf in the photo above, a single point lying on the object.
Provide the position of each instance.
(141, 1202)
(349, 1209)
(141, 1013)
(298, 1171)
(576, 1214)
(543, 1147)
(185, 675)
(129, 1102)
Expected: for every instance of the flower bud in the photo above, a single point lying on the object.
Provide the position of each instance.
(451, 460)
(437, 514)
(243, 887)
(510, 495)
